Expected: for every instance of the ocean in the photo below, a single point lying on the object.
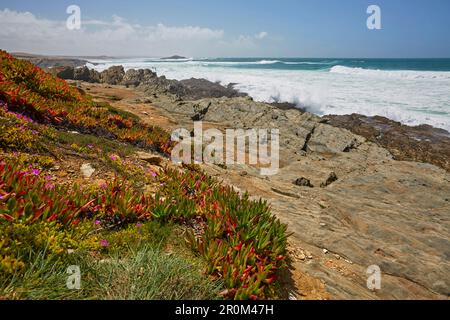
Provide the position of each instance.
(412, 91)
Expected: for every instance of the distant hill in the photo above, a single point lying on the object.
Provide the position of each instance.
(50, 61)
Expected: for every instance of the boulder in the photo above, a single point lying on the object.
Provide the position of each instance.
(139, 77)
(62, 72)
(82, 74)
(113, 75)
(303, 182)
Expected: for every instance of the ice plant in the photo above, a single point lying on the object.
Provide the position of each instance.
(34, 171)
(31, 95)
(104, 243)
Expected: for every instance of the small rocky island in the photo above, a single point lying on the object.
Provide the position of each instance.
(175, 57)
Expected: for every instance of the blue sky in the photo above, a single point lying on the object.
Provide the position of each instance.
(300, 28)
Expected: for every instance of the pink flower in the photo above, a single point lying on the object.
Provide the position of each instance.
(152, 173)
(97, 222)
(139, 225)
(33, 171)
(113, 157)
(104, 243)
(49, 186)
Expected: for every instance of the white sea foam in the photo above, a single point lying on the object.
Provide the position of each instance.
(268, 61)
(398, 74)
(412, 97)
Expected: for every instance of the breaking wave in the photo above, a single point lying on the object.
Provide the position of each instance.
(397, 74)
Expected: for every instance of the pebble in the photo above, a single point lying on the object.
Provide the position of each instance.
(325, 251)
(87, 170)
(302, 256)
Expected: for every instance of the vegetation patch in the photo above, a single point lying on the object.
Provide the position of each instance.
(129, 234)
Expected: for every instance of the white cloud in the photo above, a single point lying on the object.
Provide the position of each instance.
(23, 31)
(261, 35)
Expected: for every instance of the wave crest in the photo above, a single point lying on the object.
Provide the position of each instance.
(396, 74)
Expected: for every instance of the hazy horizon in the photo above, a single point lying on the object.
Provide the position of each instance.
(222, 57)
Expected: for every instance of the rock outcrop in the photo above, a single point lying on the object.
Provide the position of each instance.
(113, 75)
(421, 143)
(66, 73)
(148, 81)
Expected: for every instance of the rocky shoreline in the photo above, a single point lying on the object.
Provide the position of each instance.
(355, 191)
(421, 143)
(348, 202)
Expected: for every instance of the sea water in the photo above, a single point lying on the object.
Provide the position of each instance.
(412, 91)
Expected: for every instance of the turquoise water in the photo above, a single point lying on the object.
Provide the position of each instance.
(322, 64)
(412, 91)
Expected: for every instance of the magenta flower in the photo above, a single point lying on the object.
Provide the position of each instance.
(97, 222)
(152, 173)
(113, 157)
(139, 225)
(104, 243)
(22, 117)
(49, 186)
(33, 171)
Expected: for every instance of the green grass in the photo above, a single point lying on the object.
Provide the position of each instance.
(133, 268)
(145, 274)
